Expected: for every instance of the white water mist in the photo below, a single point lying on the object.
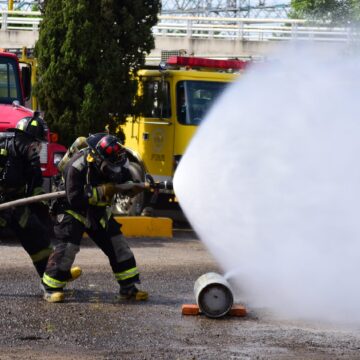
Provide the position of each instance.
(271, 183)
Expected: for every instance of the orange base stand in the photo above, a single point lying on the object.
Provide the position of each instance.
(193, 309)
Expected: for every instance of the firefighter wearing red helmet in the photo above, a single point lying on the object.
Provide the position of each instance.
(20, 176)
(90, 176)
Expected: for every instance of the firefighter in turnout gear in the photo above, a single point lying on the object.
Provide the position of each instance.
(20, 176)
(89, 181)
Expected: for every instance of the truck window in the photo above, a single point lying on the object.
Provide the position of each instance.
(156, 99)
(194, 98)
(9, 82)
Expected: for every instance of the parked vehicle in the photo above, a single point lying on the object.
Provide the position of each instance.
(175, 99)
(15, 93)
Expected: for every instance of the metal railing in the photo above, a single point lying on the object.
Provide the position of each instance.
(242, 29)
(20, 20)
(246, 29)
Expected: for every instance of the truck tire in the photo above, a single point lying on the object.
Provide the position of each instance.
(125, 205)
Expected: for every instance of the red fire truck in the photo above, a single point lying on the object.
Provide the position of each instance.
(15, 90)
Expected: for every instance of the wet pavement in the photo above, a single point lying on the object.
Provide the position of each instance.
(92, 324)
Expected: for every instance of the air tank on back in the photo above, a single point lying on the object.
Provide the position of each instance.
(77, 145)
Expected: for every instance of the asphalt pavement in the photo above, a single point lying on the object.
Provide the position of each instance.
(93, 324)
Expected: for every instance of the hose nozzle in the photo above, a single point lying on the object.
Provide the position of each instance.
(158, 185)
(164, 185)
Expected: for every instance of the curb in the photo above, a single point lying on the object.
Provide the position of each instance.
(146, 226)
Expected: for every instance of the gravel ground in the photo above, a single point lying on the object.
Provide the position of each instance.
(92, 324)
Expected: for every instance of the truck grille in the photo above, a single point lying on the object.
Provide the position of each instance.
(44, 153)
(165, 54)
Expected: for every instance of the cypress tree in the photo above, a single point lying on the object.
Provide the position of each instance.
(87, 51)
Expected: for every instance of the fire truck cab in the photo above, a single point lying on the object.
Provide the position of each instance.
(15, 92)
(175, 99)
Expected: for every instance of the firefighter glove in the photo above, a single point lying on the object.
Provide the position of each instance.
(106, 192)
(134, 190)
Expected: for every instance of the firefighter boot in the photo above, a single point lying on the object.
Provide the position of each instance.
(131, 292)
(75, 273)
(58, 295)
(52, 296)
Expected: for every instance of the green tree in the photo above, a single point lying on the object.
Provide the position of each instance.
(87, 50)
(331, 11)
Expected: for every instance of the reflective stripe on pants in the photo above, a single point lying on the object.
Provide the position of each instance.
(127, 274)
(53, 283)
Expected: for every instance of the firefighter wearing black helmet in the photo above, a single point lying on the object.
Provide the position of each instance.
(89, 179)
(20, 176)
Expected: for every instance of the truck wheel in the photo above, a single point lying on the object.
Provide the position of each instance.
(125, 205)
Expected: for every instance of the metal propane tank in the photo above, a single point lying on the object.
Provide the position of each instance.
(213, 295)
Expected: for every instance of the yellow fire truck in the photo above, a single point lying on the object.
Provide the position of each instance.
(175, 98)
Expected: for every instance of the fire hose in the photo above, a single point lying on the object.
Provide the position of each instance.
(120, 188)
(32, 199)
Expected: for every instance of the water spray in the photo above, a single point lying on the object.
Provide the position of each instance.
(287, 233)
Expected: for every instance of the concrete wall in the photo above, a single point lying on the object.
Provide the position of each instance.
(221, 48)
(18, 38)
(214, 47)
(224, 48)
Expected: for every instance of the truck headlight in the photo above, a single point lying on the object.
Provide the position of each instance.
(57, 158)
(44, 153)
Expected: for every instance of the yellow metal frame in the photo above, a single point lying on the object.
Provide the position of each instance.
(33, 63)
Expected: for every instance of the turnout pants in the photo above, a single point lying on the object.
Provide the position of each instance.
(69, 232)
(31, 233)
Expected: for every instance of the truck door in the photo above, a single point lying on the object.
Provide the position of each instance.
(194, 99)
(156, 130)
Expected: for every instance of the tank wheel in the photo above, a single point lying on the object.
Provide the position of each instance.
(125, 205)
